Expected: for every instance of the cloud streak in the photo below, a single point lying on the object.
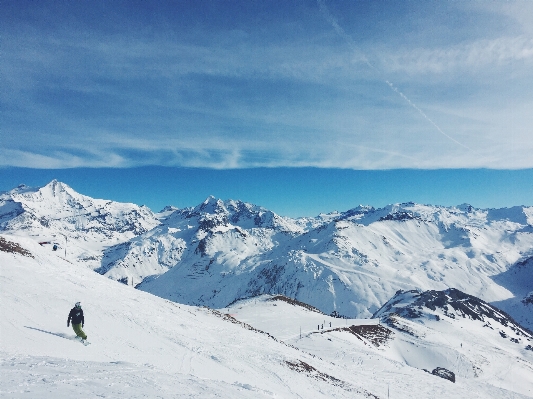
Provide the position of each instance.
(425, 116)
(470, 58)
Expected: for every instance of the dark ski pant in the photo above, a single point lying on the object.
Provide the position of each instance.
(79, 332)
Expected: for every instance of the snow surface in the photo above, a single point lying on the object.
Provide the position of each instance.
(146, 346)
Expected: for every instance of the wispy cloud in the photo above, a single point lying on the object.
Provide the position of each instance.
(468, 58)
(232, 97)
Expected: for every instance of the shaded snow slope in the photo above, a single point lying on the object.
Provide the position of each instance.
(518, 279)
(145, 346)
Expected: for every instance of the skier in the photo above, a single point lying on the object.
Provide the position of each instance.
(76, 315)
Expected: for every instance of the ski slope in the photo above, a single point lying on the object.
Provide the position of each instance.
(144, 346)
(474, 350)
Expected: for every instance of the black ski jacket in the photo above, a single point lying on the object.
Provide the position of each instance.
(76, 315)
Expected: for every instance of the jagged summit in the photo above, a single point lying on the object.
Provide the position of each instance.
(235, 212)
(211, 205)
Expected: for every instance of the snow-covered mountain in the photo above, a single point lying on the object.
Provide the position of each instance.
(349, 262)
(458, 332)
(266, 347)
(82, 227)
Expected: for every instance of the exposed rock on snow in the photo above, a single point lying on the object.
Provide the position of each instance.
(443, 373)
(451, 303)
(295, 303)
(12, 247)
(376, 334)
(302, 367)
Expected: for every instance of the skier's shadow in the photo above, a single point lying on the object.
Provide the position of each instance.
(61, 335)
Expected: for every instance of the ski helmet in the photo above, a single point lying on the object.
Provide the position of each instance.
(78, 305)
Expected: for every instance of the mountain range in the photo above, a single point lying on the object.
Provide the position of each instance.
(346, 264)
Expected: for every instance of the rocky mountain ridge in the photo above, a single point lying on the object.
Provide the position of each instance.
(347, 263)
(452, 304)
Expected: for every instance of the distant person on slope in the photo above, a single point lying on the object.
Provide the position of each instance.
(76, 315)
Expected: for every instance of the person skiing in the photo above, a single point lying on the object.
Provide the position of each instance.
(76, 315)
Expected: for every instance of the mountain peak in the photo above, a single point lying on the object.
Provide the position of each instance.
(56, 187)
(169, 208)
(211, 205)
(466, 208)
(55, 184)
(211, 199)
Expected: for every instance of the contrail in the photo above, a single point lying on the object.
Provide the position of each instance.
(341, 31)
(424, 115)
(351, 43)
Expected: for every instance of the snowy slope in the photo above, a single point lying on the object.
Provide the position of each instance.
(145, 346)
(141, 345)
(489, 349)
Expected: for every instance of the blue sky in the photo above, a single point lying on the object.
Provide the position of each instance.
(279, 90)
(289, 191)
